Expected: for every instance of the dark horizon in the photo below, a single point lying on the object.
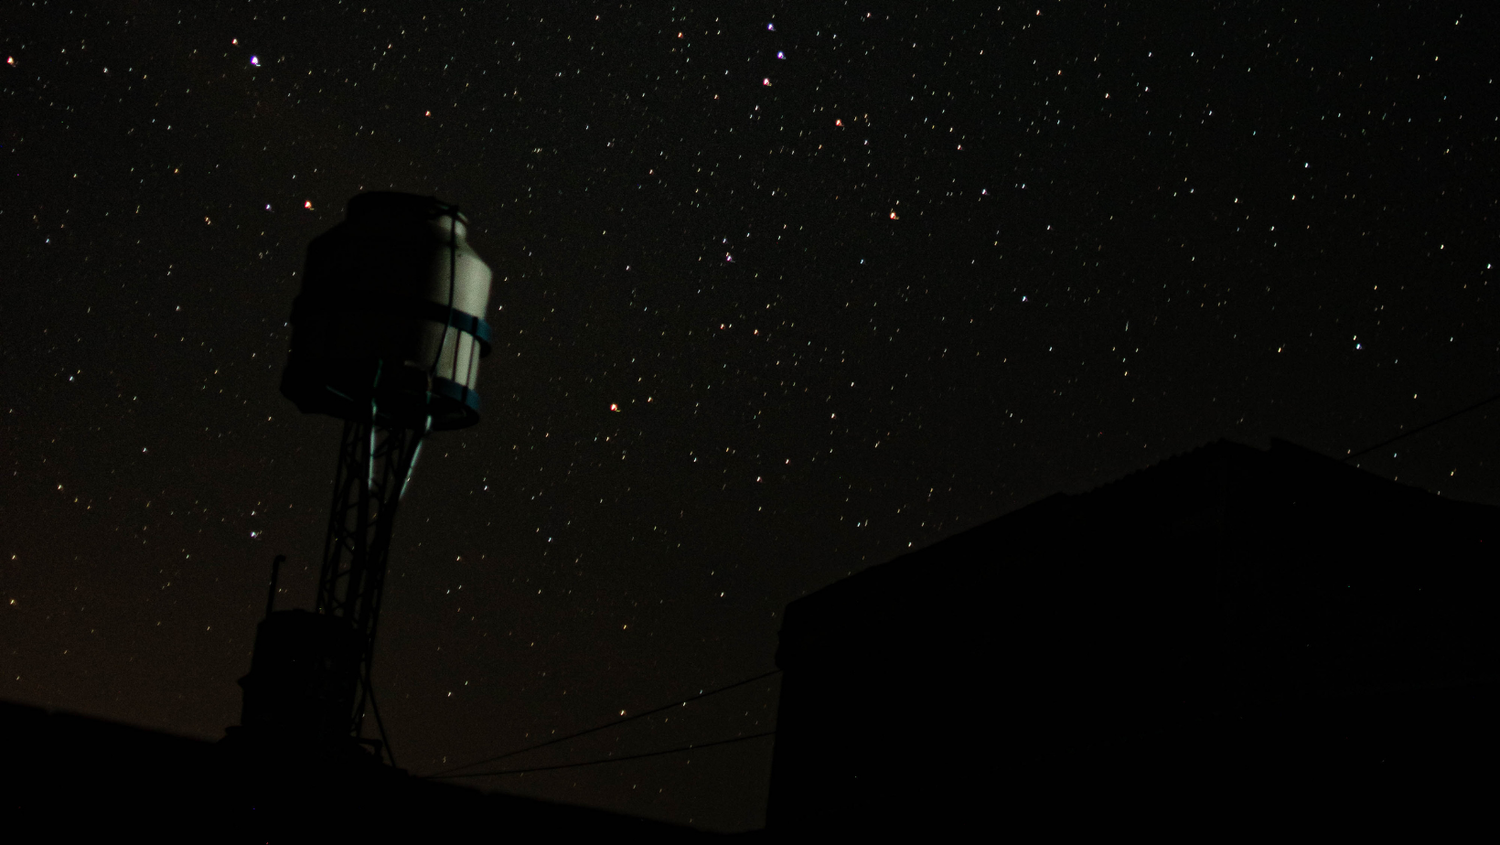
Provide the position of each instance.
(1232, 636)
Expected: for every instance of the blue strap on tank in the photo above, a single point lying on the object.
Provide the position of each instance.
(461, 320)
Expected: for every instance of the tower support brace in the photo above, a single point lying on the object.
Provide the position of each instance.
(375, 464)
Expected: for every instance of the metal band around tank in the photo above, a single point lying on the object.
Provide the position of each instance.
(449, 389)
(463, 321)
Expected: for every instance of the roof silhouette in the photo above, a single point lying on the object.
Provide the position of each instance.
(1232, 617)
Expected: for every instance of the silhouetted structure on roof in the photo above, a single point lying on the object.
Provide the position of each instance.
(1233, 634)
(387, 334)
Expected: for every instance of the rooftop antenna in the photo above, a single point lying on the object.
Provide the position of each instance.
(387, 334)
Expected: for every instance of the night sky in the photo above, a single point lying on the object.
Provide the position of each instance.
(854, 276)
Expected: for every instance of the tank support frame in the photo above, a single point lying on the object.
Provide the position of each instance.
(375, 464)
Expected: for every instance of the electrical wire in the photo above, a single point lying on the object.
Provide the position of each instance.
(607, 759)
(642, 715)
(1385, 443)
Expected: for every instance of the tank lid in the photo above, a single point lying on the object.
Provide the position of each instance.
(395, 205)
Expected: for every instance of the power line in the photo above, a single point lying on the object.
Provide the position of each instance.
(642, 715)
(1385, 443)
(605, 760)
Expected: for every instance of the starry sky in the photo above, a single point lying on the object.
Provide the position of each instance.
(782, 290)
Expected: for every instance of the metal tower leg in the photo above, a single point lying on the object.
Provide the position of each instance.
(374, 465)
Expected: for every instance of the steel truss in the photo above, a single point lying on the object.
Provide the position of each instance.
(375, 464)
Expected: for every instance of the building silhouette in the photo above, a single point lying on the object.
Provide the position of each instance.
(1234, 637)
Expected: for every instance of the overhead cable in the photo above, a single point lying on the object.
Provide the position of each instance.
(1385, 443)
(640, 715)
(606, 759)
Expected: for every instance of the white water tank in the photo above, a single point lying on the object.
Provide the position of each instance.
(390, 319)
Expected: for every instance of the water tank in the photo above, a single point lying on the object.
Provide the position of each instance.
(390, 318)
